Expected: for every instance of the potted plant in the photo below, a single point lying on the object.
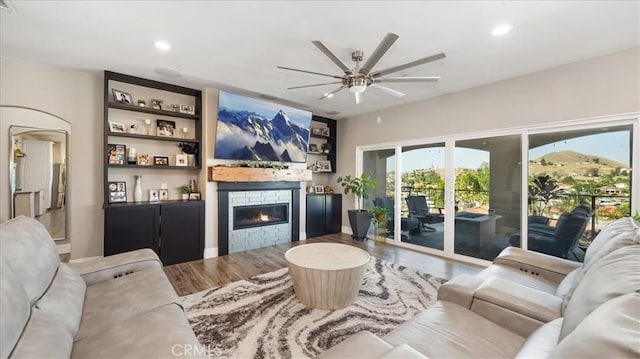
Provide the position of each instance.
(379, 215)
(326, 147)
(185, 189)
(359, 219)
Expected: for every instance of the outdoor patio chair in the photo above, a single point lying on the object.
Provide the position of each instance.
(419, 209)
(410, 225)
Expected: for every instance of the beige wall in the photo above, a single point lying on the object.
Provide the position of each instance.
(602, 86)
(75, 96)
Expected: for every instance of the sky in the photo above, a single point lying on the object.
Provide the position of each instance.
(613, 145)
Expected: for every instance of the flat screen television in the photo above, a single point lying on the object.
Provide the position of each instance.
(258, 130)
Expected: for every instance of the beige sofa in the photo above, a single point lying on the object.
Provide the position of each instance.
(121, 306)
(528, 304)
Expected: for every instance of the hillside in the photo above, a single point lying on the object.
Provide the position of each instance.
(574, 164)
(572, 157)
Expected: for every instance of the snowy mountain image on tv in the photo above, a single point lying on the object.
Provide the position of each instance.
(252, 129)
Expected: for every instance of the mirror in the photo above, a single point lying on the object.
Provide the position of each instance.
(38, 176)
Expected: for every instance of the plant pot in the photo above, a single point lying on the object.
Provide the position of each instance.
(360, 220)
(185, 196)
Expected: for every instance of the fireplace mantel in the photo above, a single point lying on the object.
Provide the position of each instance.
(247, 174)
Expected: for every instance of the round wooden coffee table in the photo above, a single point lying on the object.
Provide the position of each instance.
(326, 275)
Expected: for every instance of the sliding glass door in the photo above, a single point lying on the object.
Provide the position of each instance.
(381, 165)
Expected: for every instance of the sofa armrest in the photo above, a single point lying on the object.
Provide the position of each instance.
(460, 289)
(106, 268)
(549, 267)
(516, 307)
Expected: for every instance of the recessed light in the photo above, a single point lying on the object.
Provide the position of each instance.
(168, 72)
(162, 45)
(501, 30)
(329, 95)
(333, 113)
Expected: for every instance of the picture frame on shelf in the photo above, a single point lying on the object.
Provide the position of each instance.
(187, 109)
(325, 132)
(313, 148)
(318, 189)
(143, 159)
(156, 104)
(117, 127)
(163, 194)
(117, 154)
(153, 195)
(194, 196)
(181, 160)
(165, 128)
(122, 97)
(323, 166)
(117, 192)
(160, 161)
(316, 131)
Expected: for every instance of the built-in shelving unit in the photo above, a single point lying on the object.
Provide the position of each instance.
(328, 136)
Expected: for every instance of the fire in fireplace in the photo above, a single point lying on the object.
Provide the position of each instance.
(260, 215)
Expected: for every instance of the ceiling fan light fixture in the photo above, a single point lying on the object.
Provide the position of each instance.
(358, 85)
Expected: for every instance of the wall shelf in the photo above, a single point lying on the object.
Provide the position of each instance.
(153, 111)
(152, 137)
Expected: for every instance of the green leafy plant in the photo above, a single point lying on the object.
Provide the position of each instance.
(541, 192)
(326, 147)
(358, 186)
(379, 215)
(184, 189)
(636, 216)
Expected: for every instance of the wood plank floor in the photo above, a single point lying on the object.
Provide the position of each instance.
(199, 275)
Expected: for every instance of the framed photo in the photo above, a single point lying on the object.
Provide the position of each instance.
(160, 161)
(313, 148)
(325, 131)
(324, 166)
(143, 159)
(316, 130)
(181, 160)
(163, 194)
(153, 195)
(194, 196)
(166, 128)
(156, 104)
(117, 154)
(188, 109)
(117, 192)
(117, 127)
(122, 97)
(318, 189)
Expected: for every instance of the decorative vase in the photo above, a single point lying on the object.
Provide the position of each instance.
(137, 191)
(132, 157)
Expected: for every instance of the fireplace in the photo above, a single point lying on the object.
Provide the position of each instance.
(260, 215)
(253, 215)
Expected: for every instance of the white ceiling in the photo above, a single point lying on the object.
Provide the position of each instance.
(236, 45)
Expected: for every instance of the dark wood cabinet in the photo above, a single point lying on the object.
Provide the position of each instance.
(174, 230)
(324, 214)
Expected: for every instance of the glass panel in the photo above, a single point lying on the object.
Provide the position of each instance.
(422, 220)
(579, 181)
(381, 165)
(487, 195)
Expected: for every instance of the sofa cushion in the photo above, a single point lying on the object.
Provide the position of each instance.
(43, 337)
(517, 276)
(159, 333)
(567, 286)
(610, 331)
(621, 233)
(447, 330)
(114, 301)
(28, 248)
(542, 341)
(64, 299)
(613, 275)
(15, 309)
(357, 344)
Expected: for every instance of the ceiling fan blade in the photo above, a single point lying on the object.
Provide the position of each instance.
(330, 94)
(409, 65)
(331, 56)
(358, 97)
(309, 72)
(324, 84)
(408, 79)
(388, 90)
(377, 54)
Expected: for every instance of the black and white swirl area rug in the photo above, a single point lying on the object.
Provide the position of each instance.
(261, 318)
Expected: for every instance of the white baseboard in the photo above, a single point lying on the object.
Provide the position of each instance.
(210, 252)
(303, 236)
(63, 248)
(87, 259)
(347, 230)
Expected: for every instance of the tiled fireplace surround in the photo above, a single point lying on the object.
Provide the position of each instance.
(232, 194)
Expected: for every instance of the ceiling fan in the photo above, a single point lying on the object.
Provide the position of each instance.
(361, 77)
